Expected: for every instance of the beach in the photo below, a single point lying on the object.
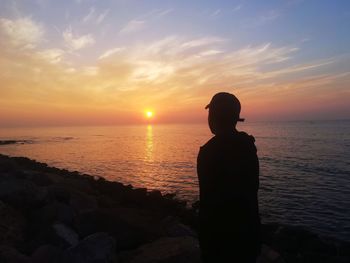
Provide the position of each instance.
(55, 215)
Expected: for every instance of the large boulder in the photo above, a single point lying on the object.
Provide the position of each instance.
(171, 227)
(269, 255)
(47, 254)
(128, 228)
(82, 202)
(52, 212)
(39, 178)
(96, 248)
(12, 224)
(66, 233)
(11, 255)
(78, 183)
(165, 250)
(59, 193)
(22, 193)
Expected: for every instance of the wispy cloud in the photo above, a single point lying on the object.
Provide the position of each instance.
(133, 26)
(215, 13)
(77, 42)
(265, 18)
(202, 42)
(237, 8)
(102, 16)
(210, 52)
(110, 52)
(52, 55)
(90, 15)
(93, 16)
(161, 12)
(154, 14)
(141, 21)
(22, 32)
(269, 16)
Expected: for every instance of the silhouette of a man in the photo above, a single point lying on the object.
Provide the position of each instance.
(228, 174)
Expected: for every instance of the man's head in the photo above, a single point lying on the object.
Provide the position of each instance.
(224, 109)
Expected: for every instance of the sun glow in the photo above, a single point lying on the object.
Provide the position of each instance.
(149, 114)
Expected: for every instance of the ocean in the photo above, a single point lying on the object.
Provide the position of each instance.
(304, 166)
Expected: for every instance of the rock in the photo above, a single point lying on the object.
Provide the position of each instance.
(59, 193)
(74, 182)
(136, 196)
(49, 225)
(40, 179)
(55, 211)
(12, 224)
(11, 255)
(155, 196)
(82, 202)
(22, 193)
(5, 142)
(173, 228)
(127, 233)
(165, 250)
(268, 255)
(105, 201)
(47, 254)
(96, 248)
(7, 165)
(66, 233)
(112, 189)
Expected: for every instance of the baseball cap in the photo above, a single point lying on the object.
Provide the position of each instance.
(225, 103)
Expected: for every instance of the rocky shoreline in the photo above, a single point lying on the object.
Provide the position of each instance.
(54, 215)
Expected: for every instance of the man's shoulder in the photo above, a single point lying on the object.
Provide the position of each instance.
(239, 139)
(210, 143)
(243, 136)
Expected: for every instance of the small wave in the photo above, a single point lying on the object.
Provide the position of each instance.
(59, 138)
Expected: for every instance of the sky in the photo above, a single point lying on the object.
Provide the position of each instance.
(105, 62)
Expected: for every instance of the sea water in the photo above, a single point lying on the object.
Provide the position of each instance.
(304, 166)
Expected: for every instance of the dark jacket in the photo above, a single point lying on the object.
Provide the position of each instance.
(228, 173)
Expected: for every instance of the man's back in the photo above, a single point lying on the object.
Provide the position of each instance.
(228, 173)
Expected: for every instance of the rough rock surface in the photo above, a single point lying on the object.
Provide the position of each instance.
(55, 216)
(167, 249)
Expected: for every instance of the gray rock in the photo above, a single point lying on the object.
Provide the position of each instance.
(47, 254)
(39, 178)
(55, 211)
(269, 255)
(82, 202)
(22, 193)
(11, 255)
(12, 224)
(173, 228)
(59, 193)
(128, 226)
(165, 250)
(66, 233)
(96, 248)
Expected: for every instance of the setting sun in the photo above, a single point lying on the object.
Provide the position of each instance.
(149, 114)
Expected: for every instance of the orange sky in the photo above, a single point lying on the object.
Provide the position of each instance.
(65, 75)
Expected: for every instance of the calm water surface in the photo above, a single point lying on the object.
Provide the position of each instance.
(305, 166)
